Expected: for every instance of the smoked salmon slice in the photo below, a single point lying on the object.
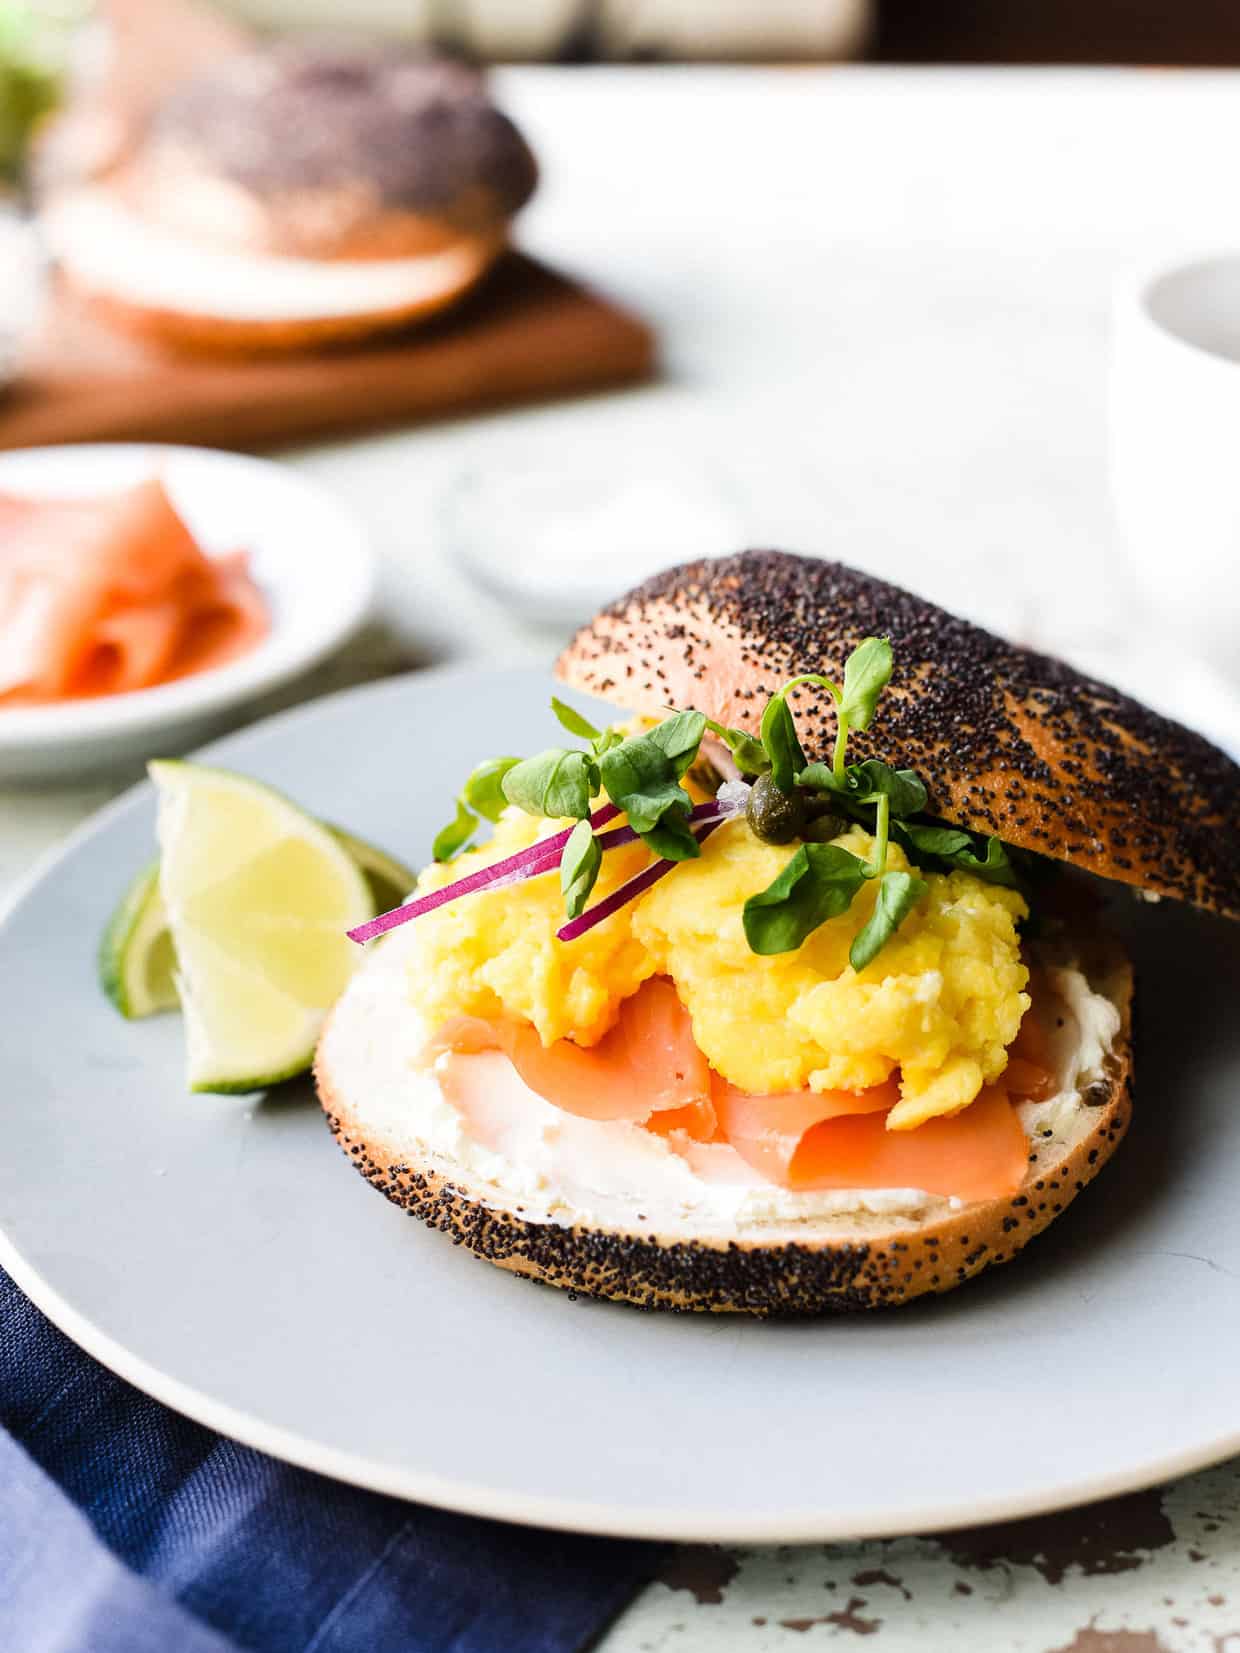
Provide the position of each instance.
(648, 1070)
(648, 1062)
(980, 1153)
(767, 1131)
(696, 1120)
(1029, 1073)
(105, 596)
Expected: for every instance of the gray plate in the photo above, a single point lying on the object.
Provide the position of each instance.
(221, 1254)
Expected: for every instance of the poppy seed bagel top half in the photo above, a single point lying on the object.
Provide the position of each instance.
(1008, 741)
(421, 132)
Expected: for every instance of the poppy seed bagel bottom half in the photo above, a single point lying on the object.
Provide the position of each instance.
(161, 286)
(843, 1262)
(203, 331)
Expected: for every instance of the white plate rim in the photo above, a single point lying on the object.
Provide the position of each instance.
(277, 659)
(572, 1515)
(473, 1498)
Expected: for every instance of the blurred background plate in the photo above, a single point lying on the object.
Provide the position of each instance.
(308, 555)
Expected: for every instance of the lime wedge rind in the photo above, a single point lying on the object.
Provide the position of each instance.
(136, 956)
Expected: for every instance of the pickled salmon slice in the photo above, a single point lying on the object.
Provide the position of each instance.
(977, 1154)
(110, 595)
(648, 1062)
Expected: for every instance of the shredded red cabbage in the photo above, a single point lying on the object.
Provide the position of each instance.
(629, 891)
(527, 863)
(539, 858)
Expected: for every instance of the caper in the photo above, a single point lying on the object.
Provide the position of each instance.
(822, 828)
(776, 817)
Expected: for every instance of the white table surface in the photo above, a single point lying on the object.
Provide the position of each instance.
(883, 300)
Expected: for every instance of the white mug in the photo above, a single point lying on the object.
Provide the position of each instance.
(1175, 447)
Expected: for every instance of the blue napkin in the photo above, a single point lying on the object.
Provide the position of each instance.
(125, 1528)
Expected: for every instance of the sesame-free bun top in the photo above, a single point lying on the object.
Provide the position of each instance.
(326, 150)
(1007, 741)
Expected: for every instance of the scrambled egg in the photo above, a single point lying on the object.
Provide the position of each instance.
(941, 1002)
(496, 952)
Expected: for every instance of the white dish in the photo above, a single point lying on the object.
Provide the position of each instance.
(1174, 414)
(308, 555)
(221, 1254)
(556, 540)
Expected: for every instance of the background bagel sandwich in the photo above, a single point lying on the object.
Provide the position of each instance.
(298, 195)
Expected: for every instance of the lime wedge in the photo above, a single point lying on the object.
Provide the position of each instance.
(258, 897)
(137, 961)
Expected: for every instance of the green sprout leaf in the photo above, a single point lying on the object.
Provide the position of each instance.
(639, 779)
(601, 740)
(642, 777)
(943, 843)
(748, 754)
(483, 792)
(779, 740)
(450, 840)
(898, 894)
(818, 882)
(822, 778)
(866, 674)
(995, 868)
(872, 780)
(579, 867)
(672, 839)
(556, 783)
(573, 721)
(864, 783)
(679, 737)
(821, 879)
(958, 850)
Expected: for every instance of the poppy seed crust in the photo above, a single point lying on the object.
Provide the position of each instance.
(1008, 741)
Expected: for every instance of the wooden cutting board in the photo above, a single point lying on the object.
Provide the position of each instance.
(527, 333)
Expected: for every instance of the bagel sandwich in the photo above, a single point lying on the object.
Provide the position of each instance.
(775, 997)
(302, 194)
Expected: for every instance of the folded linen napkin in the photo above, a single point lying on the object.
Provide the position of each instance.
(125, 1528)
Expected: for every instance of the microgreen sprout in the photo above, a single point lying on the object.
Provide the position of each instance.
(822, 880)
(784, 798)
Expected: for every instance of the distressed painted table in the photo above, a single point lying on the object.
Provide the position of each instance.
(1155, 1572)
(883, 296)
